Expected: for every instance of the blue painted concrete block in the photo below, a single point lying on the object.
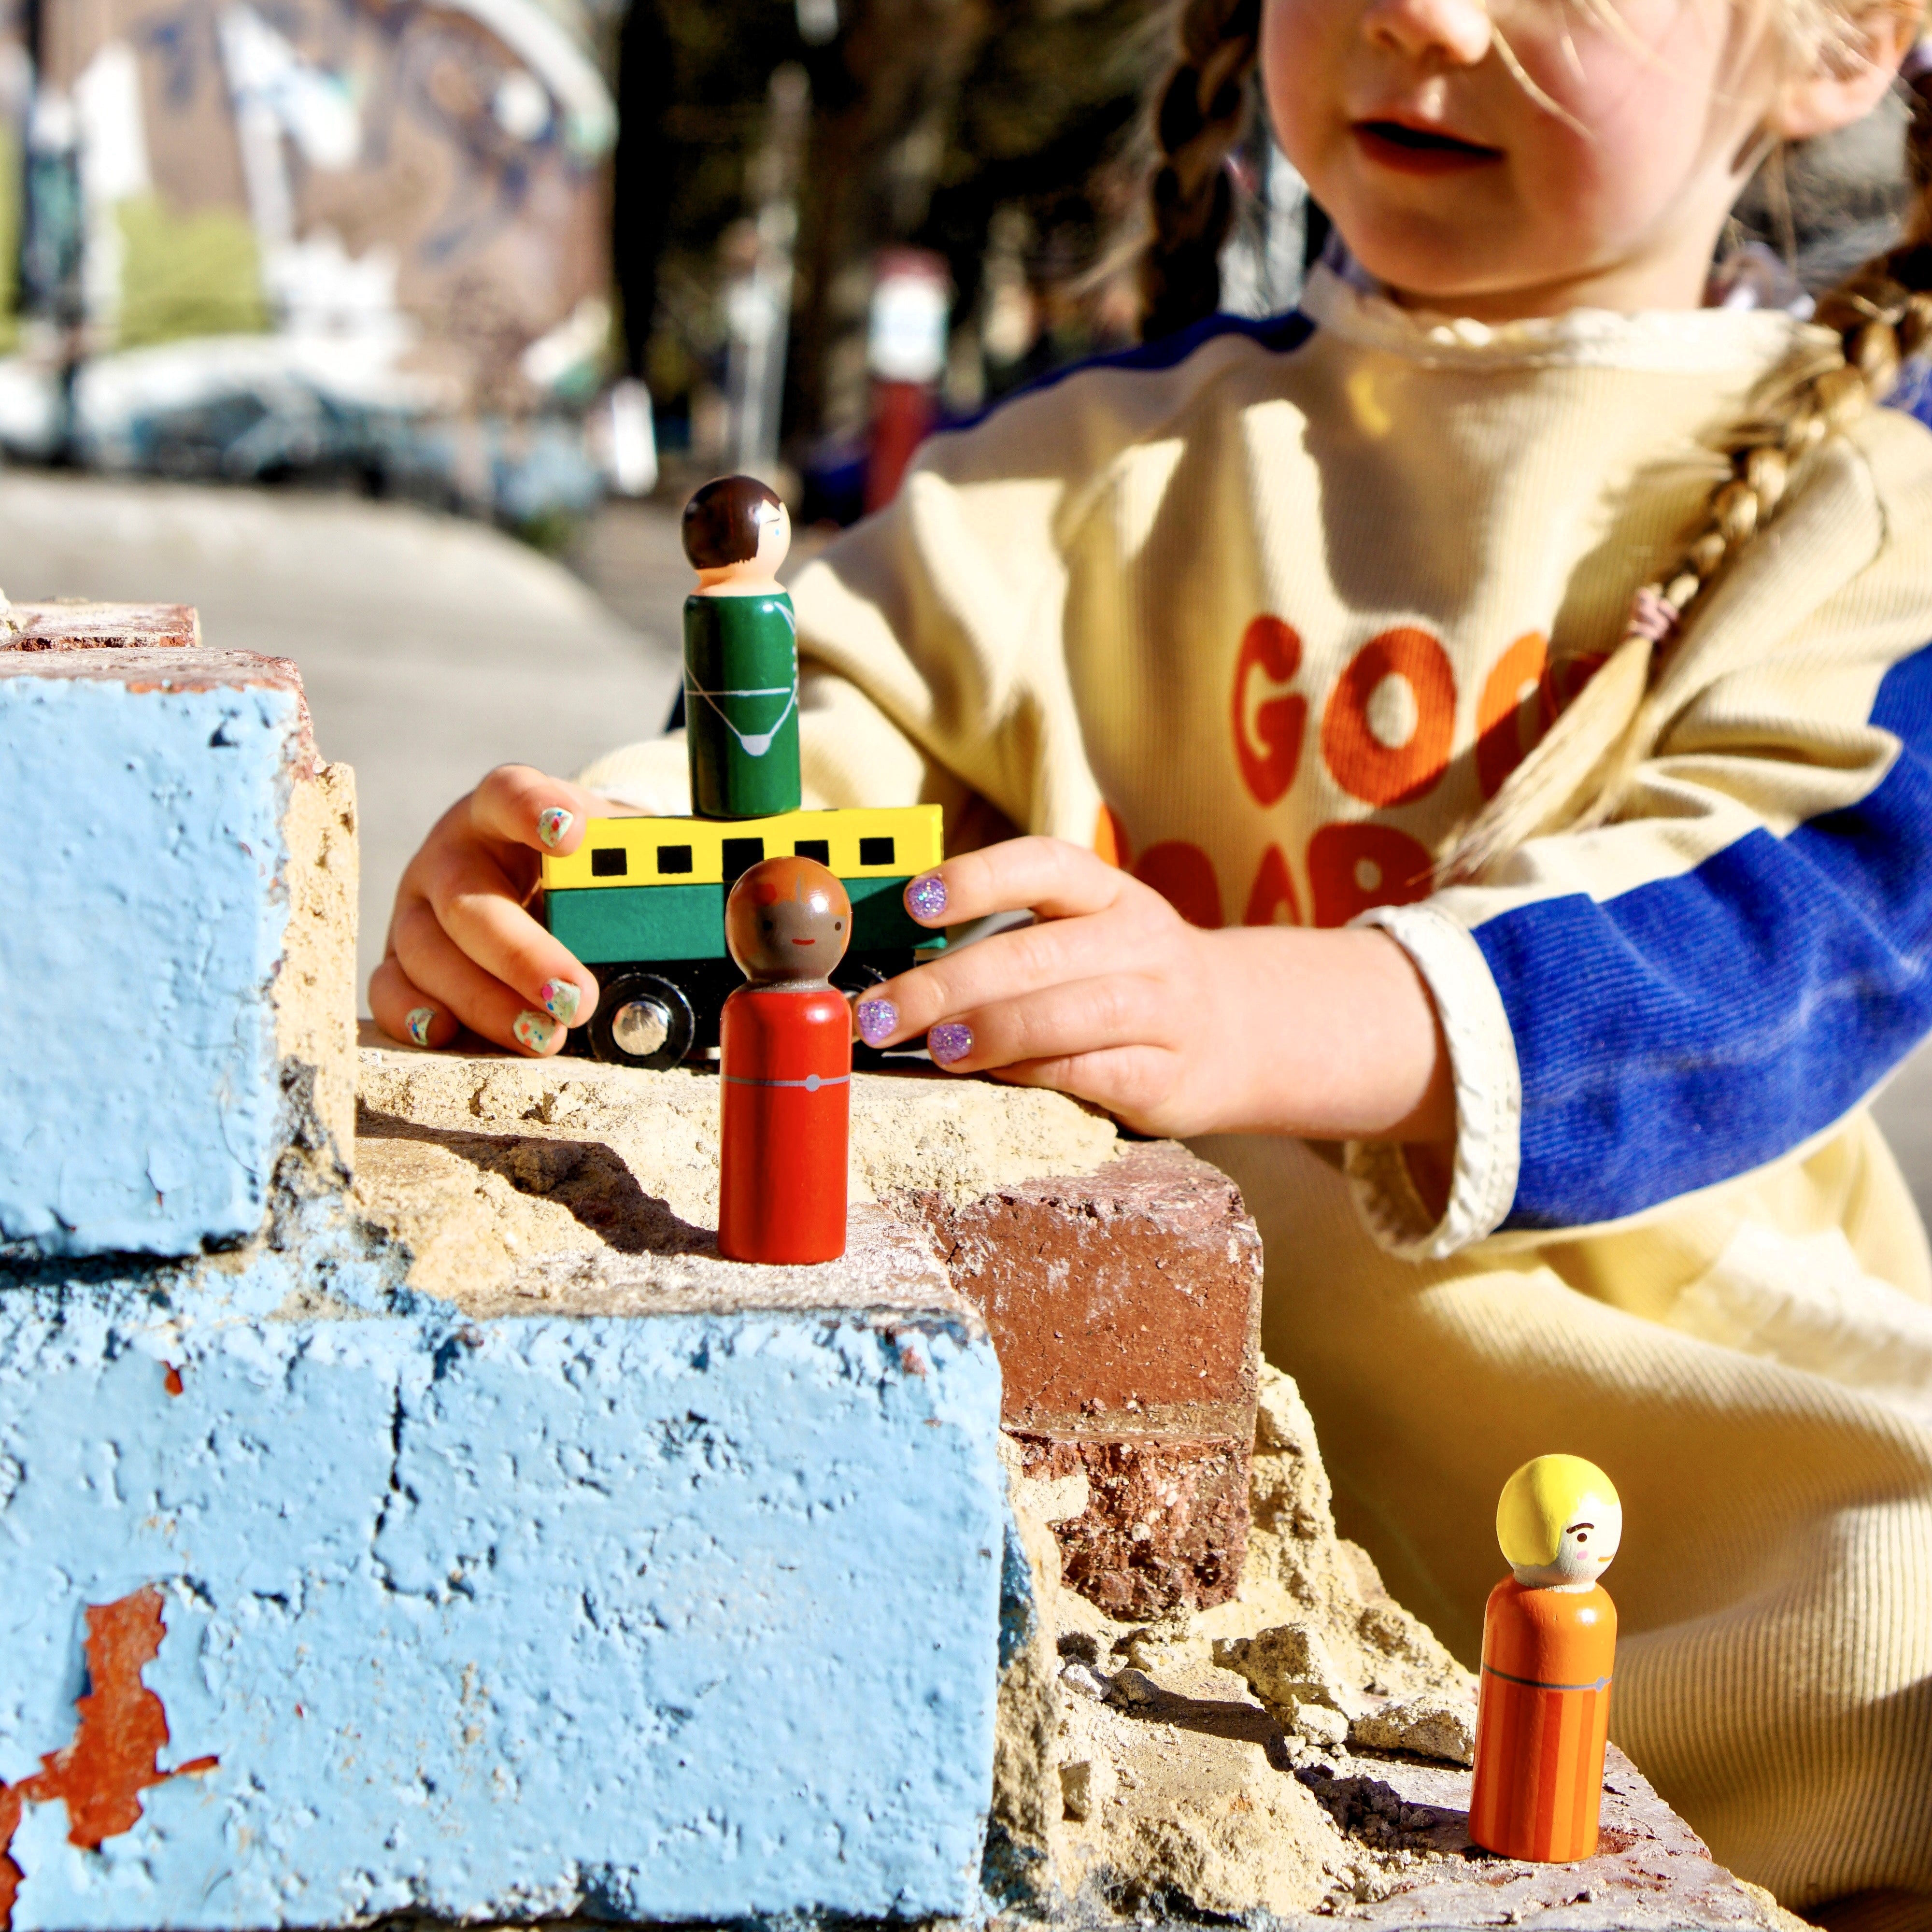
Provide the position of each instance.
(688, 1616)
(143, 878)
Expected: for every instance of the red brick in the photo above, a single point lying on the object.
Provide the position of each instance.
(1125, 1306)
(1166, 1521)
(74, 624)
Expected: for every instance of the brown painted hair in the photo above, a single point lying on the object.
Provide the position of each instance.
(723, 520)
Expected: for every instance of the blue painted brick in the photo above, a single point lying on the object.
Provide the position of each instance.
(143, 902)
(695, 1615)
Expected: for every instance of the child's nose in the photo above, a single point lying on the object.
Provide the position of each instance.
(1459, 29)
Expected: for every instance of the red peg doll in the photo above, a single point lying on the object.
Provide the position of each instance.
(786, 1060)
(1550, 1640)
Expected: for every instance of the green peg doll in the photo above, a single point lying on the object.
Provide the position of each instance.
(740, 654)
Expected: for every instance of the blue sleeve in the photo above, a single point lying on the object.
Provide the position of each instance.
(1696, 1026)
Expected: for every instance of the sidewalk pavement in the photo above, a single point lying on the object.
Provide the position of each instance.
(431, 648)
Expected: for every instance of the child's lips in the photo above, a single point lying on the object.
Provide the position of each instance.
(1409, 149)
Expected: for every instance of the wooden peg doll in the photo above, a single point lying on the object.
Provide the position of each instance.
(740, 654)
(1549, 1640)
(786, 1061)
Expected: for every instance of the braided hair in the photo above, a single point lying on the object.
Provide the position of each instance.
(1882, 315)
(1581, 772)
(1199, 113)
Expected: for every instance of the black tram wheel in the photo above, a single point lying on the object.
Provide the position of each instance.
(642, 1019)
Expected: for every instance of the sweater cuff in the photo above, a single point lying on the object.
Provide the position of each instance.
(1489, 1099)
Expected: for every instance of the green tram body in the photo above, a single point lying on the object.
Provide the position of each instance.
(641, 902)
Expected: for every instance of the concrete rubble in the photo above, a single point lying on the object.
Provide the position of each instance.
(1299, 1751)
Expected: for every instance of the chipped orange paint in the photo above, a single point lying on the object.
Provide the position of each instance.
(113, 1757)
(172, 1380)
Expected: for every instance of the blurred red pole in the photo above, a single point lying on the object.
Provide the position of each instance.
(906, 349)
(902, 414)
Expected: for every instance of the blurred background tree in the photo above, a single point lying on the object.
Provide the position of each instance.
(985, 131)
(390, 242)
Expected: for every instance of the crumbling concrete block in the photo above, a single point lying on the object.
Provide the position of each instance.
(1121, 1283)
(675, 1597)
(177, 956)
(1146, 1779)
(1125, 1304)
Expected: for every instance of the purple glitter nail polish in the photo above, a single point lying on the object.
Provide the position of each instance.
(878, 1019)
(949, 1041)
(925, 897)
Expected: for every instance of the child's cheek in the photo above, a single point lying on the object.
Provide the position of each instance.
(1296, 67)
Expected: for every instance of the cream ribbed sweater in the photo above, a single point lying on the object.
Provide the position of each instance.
(1264, 613)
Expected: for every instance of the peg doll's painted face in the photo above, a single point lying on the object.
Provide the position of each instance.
(774, 541)
(1586, 1547)
(1559, 1522)
(1523, 156)
(736, 531)
(787, 921)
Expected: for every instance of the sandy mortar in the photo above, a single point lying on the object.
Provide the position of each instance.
(1300, 1749)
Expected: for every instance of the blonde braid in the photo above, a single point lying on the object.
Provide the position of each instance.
(1578, 774)
(1199, 111)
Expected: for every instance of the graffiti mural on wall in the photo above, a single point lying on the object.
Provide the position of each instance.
(312, 210)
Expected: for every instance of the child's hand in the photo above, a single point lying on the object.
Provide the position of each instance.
(1112, 996)
(462, 950)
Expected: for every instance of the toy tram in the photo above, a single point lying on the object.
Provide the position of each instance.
(641, 902)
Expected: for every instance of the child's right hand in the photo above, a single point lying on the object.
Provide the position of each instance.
(462, 950)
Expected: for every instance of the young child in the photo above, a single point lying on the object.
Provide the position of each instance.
(1561, 1143)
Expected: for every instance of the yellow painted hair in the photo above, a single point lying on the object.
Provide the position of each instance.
(1539, 1500)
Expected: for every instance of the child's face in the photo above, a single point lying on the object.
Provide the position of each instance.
(1452, 183)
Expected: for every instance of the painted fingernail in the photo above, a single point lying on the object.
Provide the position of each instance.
(560, 998)
(925, 897)
(553, 824)
(420, 1019)
(878, 1019)
(950, 1041)
(535, 1031)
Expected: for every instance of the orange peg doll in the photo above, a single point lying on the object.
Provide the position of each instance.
(786, 1061)
(1550, 1640)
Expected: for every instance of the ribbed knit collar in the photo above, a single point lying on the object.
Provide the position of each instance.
(1713, 341)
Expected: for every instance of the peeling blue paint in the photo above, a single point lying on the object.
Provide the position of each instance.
(140, 1091)
(682, 1617)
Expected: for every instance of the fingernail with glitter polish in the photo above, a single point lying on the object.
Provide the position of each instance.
(560, 998)
(953, 1041)
(534, 1031)
(420, 1019)
(925, 897)
(553, 824)
(878, 1019)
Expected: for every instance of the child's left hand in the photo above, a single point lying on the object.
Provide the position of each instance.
(1113, 997)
